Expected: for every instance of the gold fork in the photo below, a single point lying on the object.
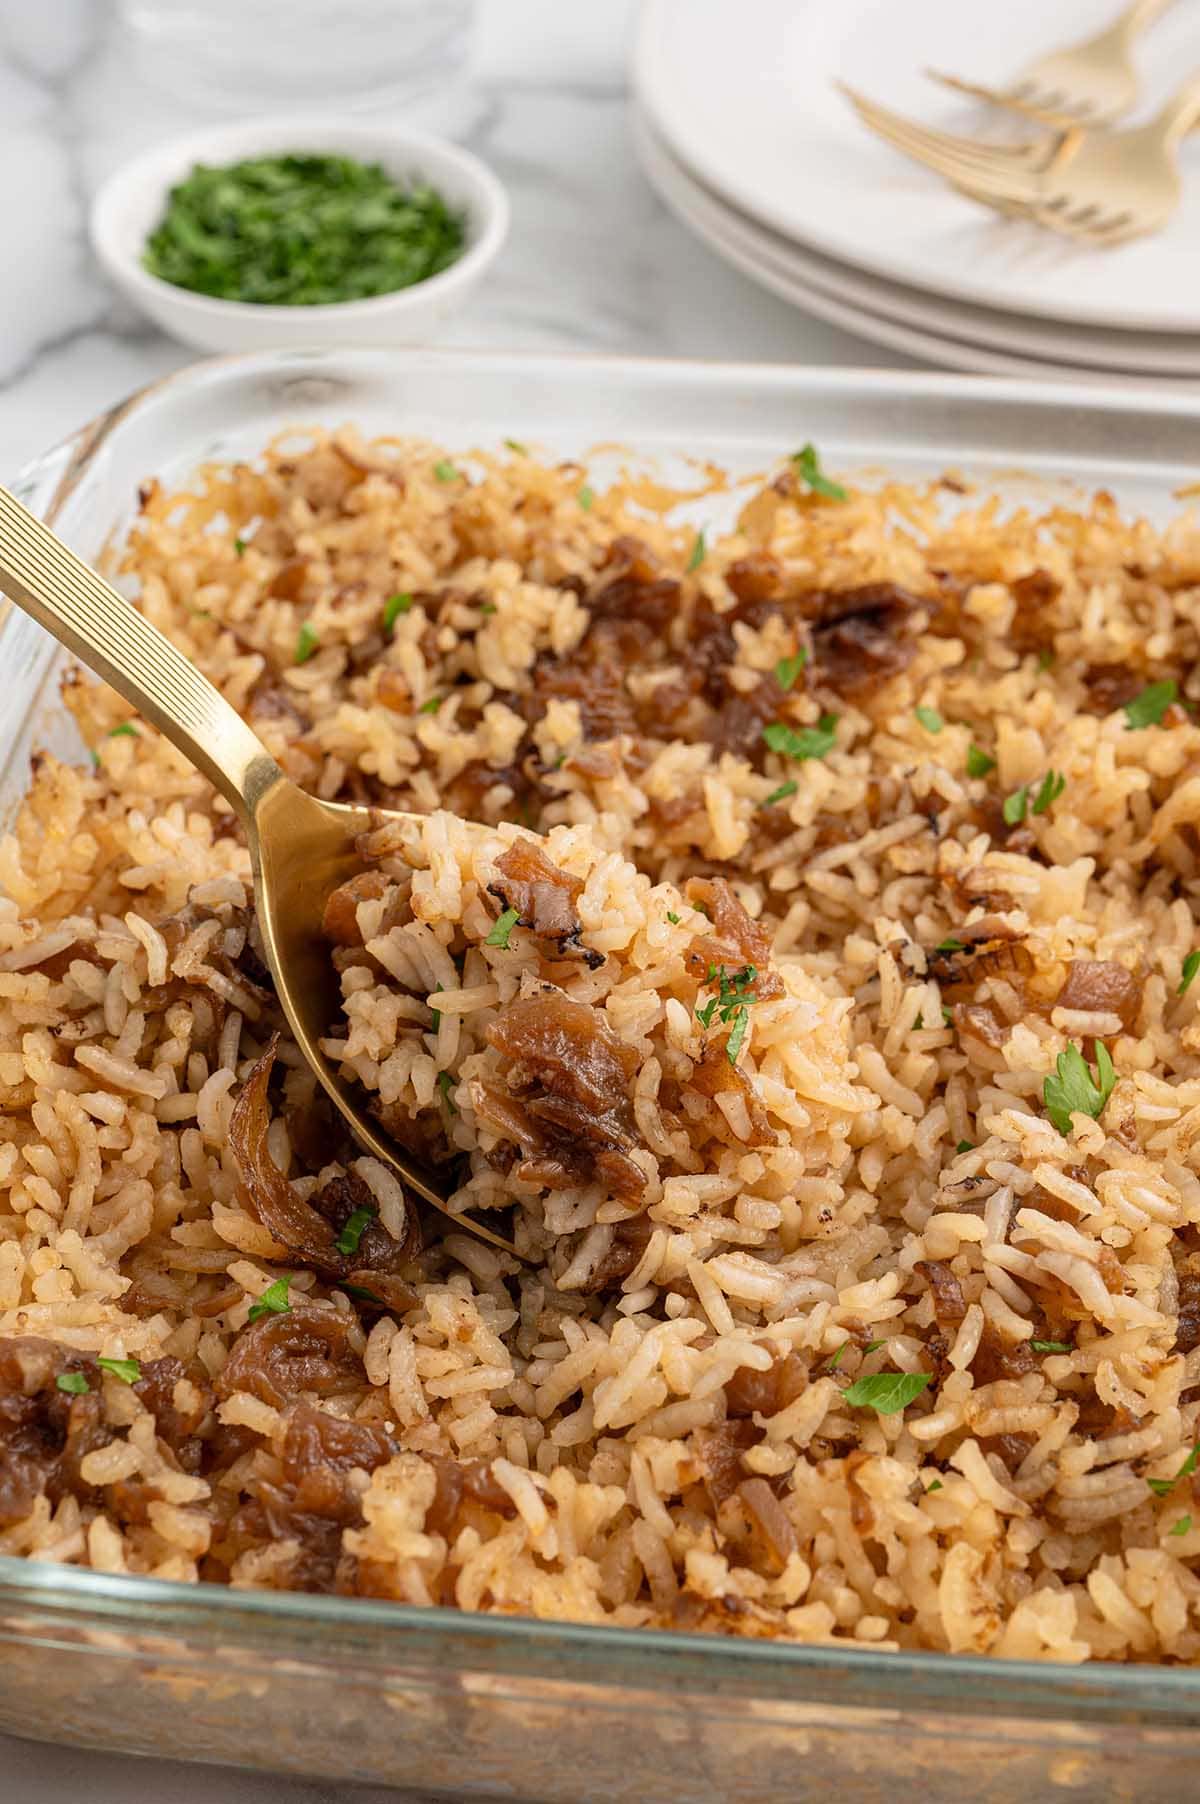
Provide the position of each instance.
(300, 848)
(1104, 187)
(1089, 83)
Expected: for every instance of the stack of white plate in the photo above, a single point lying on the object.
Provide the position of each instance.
(743, 132)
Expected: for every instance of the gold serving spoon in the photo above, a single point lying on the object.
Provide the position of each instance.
(300, 849)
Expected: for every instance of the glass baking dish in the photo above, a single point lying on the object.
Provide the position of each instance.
(483, 1706)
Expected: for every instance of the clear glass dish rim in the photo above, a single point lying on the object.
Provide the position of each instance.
(306, 1628)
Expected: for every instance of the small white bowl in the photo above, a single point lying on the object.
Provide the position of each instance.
(133, 200)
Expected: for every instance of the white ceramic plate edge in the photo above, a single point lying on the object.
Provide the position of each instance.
(1149, 354)
(679, 123)
(831, 305)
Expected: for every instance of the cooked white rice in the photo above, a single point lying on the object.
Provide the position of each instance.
(843, 1169)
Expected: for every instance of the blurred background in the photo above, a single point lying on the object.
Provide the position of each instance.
(538, 88)
(686, 178)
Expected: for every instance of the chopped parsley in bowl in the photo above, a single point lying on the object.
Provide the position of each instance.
(302, 230)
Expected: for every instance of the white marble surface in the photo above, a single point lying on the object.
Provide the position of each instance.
(594, 263)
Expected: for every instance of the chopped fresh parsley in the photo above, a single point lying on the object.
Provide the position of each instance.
(935, 1486)
(393, 607)
(965, 1146)
(445, 471)
(431, 706)
(126, 730)
(487, 607)
(788, 669)
(930, 719)
(1162, 1487)
(301, 229)
(947, 1017)
(445, 1085)
(672, 917)
(355, 1226)
(808, 468)
(514, 444)
(1181, 1527)
(696, 556)
(74, 1383)
(1191, 965)
(1045, 659)
(127, 1370)
(950, 945)
(1053, 784)
(836, 1361)
(919, 1023)
(306, 643)
(239, 546)
(502, 928)
(1015, 805)
(437, 1018)
(1150, 704)
(781, 794)
(873, 1346)
(807, 742)
(95, 758)
(978, 762)
(273, 1301)
(1049, 1346)
(585, 497)
(1073, 1091)
(886, 1392)
(731, 1005)
(737, 1035)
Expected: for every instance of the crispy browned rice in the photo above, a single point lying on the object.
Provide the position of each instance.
(750, 1053)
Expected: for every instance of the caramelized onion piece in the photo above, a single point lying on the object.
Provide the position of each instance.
(277, 1357)
(309, 1234)
(713, 1076)
(753, 1393)
(543, 895)
(949, 1305)
(735, 941)
(770, 1525)
(270, 1196)
(340, 920)
(862, 636)
(568, 1078)
(459, 1482)
(1102, 985)
(719, 1453)
(44, 1432)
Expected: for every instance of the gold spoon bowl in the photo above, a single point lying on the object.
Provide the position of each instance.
(301, 849)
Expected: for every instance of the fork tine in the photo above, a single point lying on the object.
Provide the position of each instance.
(1108, 228)
(1047, 100)
(990, 155)
(1115, 233)
(1007, 206)
(953, 165)
(1010, 99)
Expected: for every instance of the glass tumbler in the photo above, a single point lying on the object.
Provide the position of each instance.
(256, 55)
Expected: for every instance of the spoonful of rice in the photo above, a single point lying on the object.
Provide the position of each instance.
(301, 849)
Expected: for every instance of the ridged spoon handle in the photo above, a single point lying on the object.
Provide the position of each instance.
(89, 617)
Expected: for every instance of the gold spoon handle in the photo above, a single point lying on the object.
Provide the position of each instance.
(100, 626)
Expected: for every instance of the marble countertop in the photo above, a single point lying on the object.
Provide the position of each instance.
(594, 263)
